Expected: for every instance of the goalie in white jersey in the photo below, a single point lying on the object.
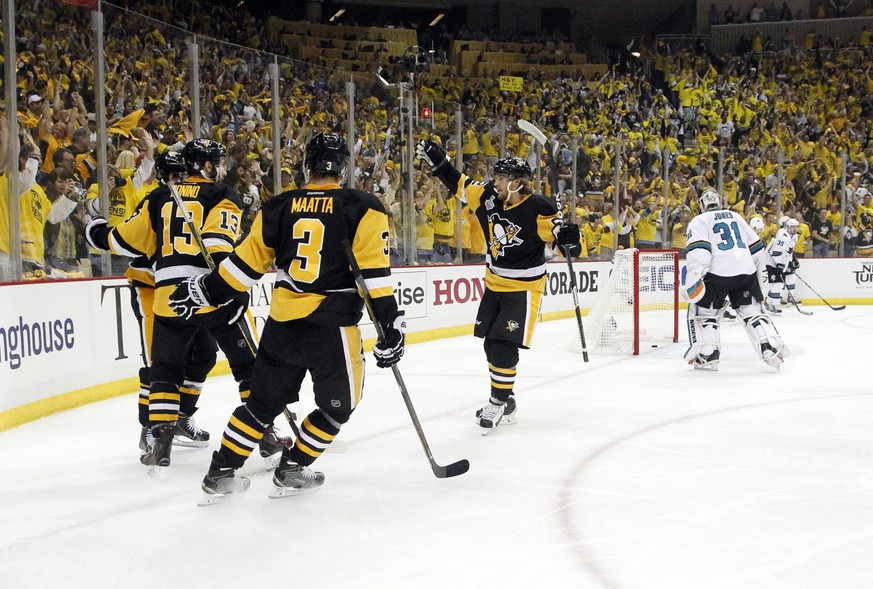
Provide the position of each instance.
(781, 274)
(722, 259)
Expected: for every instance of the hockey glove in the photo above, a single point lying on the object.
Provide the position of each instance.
(774, 274)
(568, 237)
(389, 351)
(189, 296)
(95, 233)
(794, 264)
(431, 154)
(693, 287)
(237, 308)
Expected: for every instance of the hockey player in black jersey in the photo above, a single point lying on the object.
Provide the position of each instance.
(314, 314)
(518, 225)
(170, 165)
(158, 229)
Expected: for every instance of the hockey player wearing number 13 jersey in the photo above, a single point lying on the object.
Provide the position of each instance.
(314, 314)
(158, 230)
(722, 260)
(518, 226)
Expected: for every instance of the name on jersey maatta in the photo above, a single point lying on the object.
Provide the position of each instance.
(312, 204)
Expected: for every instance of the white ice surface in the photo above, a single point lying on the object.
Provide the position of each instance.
(626, 473)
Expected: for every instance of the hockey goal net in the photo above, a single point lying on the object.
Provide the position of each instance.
(637, 305)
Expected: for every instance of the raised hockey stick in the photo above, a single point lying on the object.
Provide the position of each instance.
(794, 302)
(452, 470)
(837, 308)
(540, 137)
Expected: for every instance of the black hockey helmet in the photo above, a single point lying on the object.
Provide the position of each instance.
(199, 151)
(514, 167)
(169, 162)
(326, 154)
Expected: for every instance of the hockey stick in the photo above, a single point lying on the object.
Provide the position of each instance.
(794, 302)
(535, 132)
(210, 263)
(335, 447)
(837, 308)
(452, 470)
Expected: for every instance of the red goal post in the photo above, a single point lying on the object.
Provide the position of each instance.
(638, 304)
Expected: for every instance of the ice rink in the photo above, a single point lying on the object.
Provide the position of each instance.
(623, 473)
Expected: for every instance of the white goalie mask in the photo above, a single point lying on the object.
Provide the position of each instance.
(709, 200)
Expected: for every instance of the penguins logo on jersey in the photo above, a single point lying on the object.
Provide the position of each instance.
(505, 235)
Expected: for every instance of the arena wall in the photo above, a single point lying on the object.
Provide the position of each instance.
(65, 344)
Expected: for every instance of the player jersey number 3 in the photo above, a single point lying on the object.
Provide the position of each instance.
(307, 263)
(730, 236)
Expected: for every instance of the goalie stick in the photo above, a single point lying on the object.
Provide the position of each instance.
(540, 137)
(441, 472)
(837, 308)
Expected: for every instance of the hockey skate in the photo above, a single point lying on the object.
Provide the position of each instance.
(220, 482)
(771, 355)
(271, 445)
(188, 435)
(772, 309)
(493, 414)
(706, 361)
(291, 478)
(729, 315)
(146, 440)
(159, 453)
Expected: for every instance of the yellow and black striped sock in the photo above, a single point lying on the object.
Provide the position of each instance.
(502, 381)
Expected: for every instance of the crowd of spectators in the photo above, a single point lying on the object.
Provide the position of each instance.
(681, 120)
(768, 12)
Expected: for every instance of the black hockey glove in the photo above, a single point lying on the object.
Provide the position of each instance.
(568, 237)
(774, 274)
(96, 232)
(431, 154)
(190, 296)
(389, 351)
(794, 264)
(237, 308)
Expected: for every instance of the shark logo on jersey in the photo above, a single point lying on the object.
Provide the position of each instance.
(505, 235)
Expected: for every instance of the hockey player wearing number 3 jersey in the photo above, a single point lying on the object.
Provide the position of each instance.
(314, 314)
(722, 261)
(517, 225)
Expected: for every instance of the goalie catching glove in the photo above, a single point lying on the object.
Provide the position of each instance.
(431, 154)
(389, 351)
(568, 237)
